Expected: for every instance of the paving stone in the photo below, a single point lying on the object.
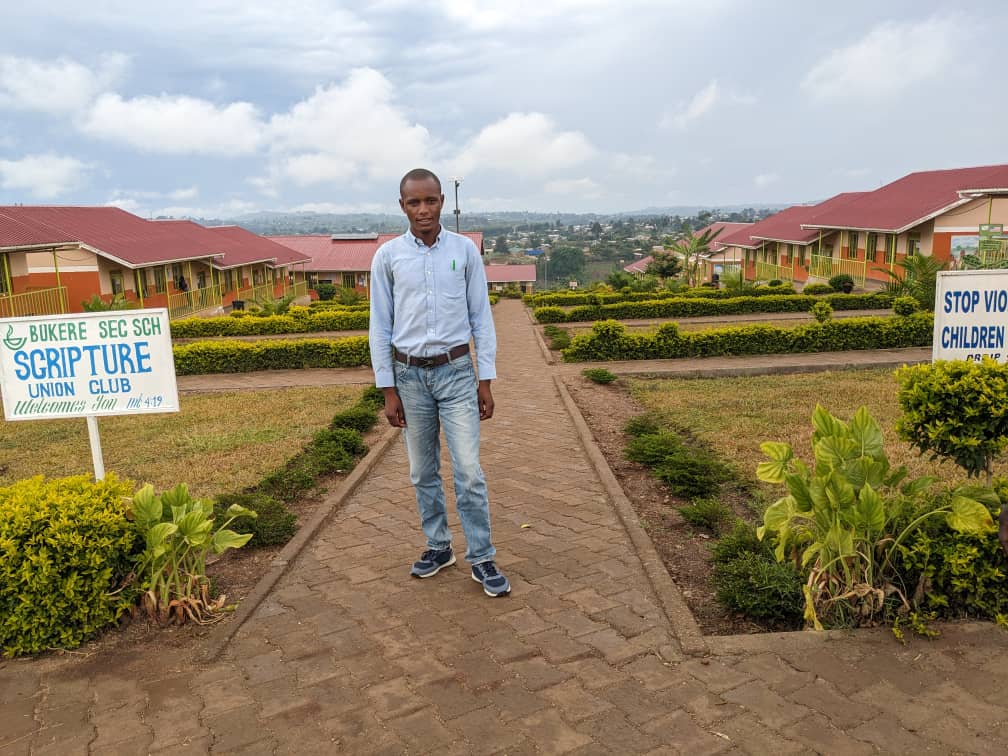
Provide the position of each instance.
(750, 736)
(137, 744)
(842, 711)
(187, 746)
(487, 733)
(558, 647)
(593, 673)
(775, 672)
(512, 700)
(451, 698)
(574, 701)
(393, 699)
(421, 731)
(576, 623)
(590, 601)
(613, 730)
(685, 736)
(614, 647)
(819, 734)
(888, 737)
(551, 734)
(536, 673)
(235, 729)
(653, 673)
(627, 622)
(955, 734)
(503, 645)
(715, 675)
(772, 709)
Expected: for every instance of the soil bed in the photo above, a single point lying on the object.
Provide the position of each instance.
(684, 550)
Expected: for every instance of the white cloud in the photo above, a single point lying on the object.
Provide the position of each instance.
(353, 130)
(527, 144)
(43, 176)
(703, 102)
(889, 59)
(175, 125)
(582, 188)
(764, 180)
(58, 86)
(341, 208)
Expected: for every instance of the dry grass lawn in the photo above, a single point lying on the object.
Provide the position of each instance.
(218, 442)
(735, 415)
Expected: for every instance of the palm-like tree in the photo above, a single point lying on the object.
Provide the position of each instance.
(917, 277)
(693, 248)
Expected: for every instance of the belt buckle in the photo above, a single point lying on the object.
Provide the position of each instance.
(425, 362)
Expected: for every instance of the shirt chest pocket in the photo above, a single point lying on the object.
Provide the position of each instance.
(452, 285)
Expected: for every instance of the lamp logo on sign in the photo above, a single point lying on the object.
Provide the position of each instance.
(88, 364)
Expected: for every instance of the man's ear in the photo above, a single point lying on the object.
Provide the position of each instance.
(401, 205)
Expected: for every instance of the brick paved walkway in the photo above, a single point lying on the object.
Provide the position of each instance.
(588, 655)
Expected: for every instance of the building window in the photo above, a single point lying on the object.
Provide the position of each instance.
(913, 245)
(801, 255)
(870, 246)
(890, 248)
(228, 280)
(201, 280)
(176, 272)
(852, 237)
(4, 271)
(257, 277)
(116, 279)
(347, 280)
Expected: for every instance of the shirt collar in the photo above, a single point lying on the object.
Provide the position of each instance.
(418, 242)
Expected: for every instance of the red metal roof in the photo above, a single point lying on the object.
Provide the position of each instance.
(115, 233)
(351, 255)
(245, 243)
(28, 233)
(510, 273)
(726, 228)
(639, 266)
(913, 199)
(789, 225)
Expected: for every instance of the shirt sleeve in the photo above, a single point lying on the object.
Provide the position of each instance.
(380, 324)
(480, 317)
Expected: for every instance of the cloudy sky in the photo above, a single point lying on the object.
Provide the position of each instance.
(221, 107)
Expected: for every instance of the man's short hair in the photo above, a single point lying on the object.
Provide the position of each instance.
(419, 174)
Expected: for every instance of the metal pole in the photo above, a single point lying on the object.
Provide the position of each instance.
(457, 211)
(96, 453)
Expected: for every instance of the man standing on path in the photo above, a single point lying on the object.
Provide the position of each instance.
(428, 298)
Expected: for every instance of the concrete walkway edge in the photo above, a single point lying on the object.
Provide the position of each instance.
(686, 629)
(218, 642)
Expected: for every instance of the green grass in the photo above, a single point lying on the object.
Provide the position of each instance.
(217, 443)
(735, 415)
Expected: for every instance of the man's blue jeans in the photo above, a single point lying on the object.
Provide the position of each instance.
(432, 398)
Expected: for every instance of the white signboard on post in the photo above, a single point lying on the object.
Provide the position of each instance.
(971, 315)
(89, 364)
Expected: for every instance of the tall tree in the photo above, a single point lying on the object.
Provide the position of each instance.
(566, 263)
(664, 265)
(501, 245)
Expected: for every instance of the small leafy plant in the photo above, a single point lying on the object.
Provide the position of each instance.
(905, 305)
(822, 311)
(599, 375)
(710, 514)
(844, 518)
(688, 470)
(179, 534)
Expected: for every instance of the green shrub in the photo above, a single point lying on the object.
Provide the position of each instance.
(688, 470)
(840, 280)
(274, 523)
(905, 306)
(817, 289)
(775, 282)
(304, 320)
(645, 424)
(360, 418)
(373, 397)
(741, 539)
(599, 375)
(66, 551)
(325, 291)
(610, 340)
(242, 357)
(822, 311)
(710, 514)
(331, 450)
(760, 587)
(957, 410)
(561, 341)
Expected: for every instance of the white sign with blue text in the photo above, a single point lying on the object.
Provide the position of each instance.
(971, 315)
(116, 362)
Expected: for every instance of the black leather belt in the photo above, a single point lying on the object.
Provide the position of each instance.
(431, 362)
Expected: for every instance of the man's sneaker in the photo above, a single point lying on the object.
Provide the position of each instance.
(493, 581)
(432, 562)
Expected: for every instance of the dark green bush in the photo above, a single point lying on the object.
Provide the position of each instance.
(360, 418)
(373, 397)
(904, 306)
(599, 375)
(274, 525)
(741, 539)
(561, 341)
(816, 289)
(760, 587)
(688, 470)
(242, 357)
(775, 282)
(325, 291)
(822, 311)
(66, 549)
(838, 281)
(609, 339)
(645, 424)
(709, 514)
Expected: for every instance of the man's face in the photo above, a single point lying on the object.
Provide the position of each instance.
(422, 202)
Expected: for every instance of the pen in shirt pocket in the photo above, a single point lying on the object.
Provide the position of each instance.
(453, 264)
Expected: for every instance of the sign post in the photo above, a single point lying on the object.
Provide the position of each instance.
(971, 315)
(116, 362)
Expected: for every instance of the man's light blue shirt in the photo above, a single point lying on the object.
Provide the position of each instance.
(426, 300)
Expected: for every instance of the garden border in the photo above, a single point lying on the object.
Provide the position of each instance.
(218, 640)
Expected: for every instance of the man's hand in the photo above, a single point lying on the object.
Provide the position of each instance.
(394, 409)
(1003, 530)
(485, 399)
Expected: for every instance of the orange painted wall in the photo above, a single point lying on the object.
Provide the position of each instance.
(79, 286)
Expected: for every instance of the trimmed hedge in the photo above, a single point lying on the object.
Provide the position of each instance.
(66, 549)
(684, 307)
(322, 320)
(574, 298)
(245, 357)
(609, 339)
